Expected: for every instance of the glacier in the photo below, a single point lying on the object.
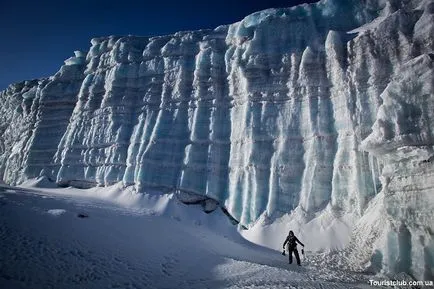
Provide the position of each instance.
(293, 111)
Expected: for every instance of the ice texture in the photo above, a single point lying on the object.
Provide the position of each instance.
(402, 138)
(34, 116)
(316, 109)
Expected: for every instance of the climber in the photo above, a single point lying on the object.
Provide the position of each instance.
(292, 241)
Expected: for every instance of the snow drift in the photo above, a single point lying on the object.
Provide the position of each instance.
(296, 114)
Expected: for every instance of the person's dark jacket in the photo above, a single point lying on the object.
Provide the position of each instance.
(292, 239)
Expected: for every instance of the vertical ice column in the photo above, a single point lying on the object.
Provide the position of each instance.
(94, 150)
(161, 162)
(71, 144)
(287, 162)
(263, 167)
(345, 169)
(195, 172)
(354, 173)
(151, 74)
(245, 125)
(57, 101)
(220, 126)
(206, 156)
(18, 110)
(318, 131)
(239, 186)
(372, 61)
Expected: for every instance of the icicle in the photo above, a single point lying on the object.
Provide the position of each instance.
(372, 165)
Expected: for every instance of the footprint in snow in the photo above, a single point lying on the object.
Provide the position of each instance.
(169, 266)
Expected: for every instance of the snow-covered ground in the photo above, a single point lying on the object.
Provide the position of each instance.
(132, 240)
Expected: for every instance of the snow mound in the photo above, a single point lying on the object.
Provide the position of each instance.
(56, 212)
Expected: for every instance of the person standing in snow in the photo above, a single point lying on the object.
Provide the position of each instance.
(292, 241)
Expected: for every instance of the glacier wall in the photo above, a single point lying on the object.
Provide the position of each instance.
(402, 138)
(240, 114)
(33, 117)
(296, 110)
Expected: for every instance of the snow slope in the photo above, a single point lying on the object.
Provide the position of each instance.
(294, 116)
(137, 241)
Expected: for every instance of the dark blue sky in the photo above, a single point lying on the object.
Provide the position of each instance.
(36, 36)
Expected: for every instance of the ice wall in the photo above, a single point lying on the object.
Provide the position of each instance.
(402, 138)
(265, 116)
(241, 114)
(16, 121)
(33, 117)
